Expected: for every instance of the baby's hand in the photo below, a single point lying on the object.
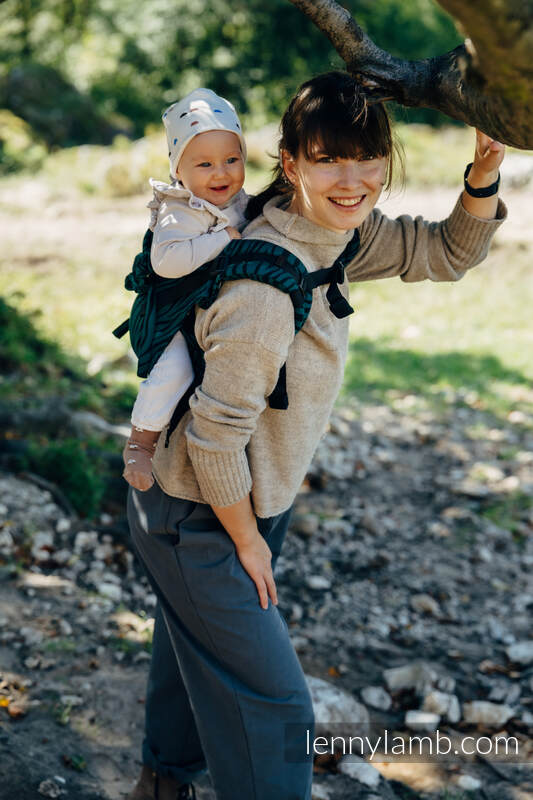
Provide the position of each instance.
(233, 233)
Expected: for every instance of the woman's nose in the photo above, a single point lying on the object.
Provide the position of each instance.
(350, 175)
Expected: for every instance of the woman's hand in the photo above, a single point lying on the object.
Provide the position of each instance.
(487, 159)
(484, 172)
(254, 553)
(255, 556)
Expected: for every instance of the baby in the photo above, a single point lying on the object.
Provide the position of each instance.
(193, 219)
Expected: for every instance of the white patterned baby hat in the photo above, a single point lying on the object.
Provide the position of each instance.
(198, 112)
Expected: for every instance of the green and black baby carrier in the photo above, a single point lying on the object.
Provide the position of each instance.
(164, 306)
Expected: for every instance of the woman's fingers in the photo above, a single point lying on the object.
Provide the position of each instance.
(266, 588)
(262, 592)
(271, 585)
(489, 152)
(256, 559)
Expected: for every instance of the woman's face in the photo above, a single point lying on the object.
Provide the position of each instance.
(336, 193)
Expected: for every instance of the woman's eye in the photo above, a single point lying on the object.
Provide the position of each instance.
(325, 160)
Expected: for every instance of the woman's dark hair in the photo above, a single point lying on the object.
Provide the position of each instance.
(332, 113)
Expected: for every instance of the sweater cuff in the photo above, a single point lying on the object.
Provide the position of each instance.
(474, 232)
(223, 477)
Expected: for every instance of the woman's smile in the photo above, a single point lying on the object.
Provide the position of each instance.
(348, 202)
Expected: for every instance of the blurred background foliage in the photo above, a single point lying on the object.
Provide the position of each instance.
(81, 71)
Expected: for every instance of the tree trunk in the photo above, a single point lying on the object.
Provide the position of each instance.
(486, 82)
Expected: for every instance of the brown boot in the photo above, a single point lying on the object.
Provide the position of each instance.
(152, 786)
(137, 457)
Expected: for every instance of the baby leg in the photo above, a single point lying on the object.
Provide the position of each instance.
(158, 396)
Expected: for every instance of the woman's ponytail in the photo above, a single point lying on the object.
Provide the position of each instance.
(278, 185)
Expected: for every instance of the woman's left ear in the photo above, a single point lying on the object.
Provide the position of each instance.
(288, 166)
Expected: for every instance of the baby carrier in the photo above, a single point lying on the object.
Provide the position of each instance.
(164, 306)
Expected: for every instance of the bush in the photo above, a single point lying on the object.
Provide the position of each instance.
(57, 112)
(19, 147)
(67, 464)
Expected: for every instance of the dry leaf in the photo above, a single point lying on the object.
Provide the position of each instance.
(16, 711)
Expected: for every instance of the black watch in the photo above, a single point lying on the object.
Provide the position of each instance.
(486, 191)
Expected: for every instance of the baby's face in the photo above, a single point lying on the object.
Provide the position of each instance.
(212, 166)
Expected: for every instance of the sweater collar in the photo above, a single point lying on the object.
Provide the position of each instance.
(300, 229)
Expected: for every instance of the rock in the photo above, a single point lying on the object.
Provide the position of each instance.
(300, 643)
(376, 697)
(318, 582)
(297, 612)
(320, 792)
(62, 557)
(421, 720)
(336, 712)
(418, 675)
(65, 627)
(527, 718)
(484, 554)
(500, 632)
(110, 590)
(360, 770)
(508, 693)
(424, 602)
(337, 526)
(6, 541)
(31, 636)
(439, 530)
(521, 652)
(485, 713)
(444, 704)
(468, 783)
(50, 788)
(85, 540)
(72, 700)
(308, 524)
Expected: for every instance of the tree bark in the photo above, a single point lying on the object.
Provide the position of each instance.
(486, 82)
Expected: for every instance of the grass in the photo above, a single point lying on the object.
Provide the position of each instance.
(443, 341)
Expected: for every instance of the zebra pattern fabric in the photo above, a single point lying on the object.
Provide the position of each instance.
(164, 306)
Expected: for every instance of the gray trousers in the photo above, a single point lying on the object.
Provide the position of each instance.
(226, 691)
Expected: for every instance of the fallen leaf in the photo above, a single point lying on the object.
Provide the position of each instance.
(16, 711)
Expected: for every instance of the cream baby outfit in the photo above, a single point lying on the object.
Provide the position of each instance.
(188, 232)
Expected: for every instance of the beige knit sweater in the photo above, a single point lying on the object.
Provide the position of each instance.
(231, 442)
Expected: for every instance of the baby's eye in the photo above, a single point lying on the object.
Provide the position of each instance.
(204, 164)
(233, 159)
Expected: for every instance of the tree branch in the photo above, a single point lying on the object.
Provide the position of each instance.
(459, 83)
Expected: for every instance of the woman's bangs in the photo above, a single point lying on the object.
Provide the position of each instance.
(366, 136)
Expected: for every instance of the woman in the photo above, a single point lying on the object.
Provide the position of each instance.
(226, 689)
